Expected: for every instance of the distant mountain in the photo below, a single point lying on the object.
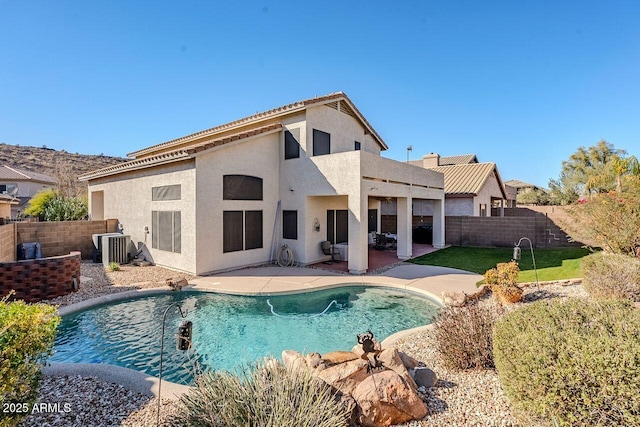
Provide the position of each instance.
(53, 162)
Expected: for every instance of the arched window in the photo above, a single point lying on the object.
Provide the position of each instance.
(241, 187)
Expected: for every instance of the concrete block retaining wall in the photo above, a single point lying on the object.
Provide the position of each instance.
(39, 279)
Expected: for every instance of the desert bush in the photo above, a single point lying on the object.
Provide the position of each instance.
(65, 209)
(503, 281)
(611, 276)
(265, 395)
(574, 361)
(27, 332)
(463, 336)
(114, 266)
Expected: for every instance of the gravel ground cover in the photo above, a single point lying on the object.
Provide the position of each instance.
(467, 398)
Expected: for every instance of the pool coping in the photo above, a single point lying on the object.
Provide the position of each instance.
(428, 281)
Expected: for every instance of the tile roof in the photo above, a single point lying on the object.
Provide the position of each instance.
(276, 112)
(458, 160)
(519, 184)
(466, 178)
(5, 198)
(176, 155)
(11, 173)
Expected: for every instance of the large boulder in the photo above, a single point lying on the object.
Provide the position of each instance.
(390, 359)
(385, 398)
(345, 376)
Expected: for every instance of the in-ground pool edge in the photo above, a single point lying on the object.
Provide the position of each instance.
(130, 379)
(147, 384)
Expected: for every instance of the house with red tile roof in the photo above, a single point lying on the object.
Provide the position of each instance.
(234, 195)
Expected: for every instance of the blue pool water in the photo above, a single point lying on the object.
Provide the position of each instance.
(229, 331)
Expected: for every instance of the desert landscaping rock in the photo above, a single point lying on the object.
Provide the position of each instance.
(424, 377)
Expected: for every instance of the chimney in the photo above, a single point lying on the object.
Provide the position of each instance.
(431, 161)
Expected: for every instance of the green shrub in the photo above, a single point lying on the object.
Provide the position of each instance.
(114, 266)
(463, 336)
(265, 395)
(611, 276)
(574, 361)
(27, 332)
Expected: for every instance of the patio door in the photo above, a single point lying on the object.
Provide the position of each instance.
(338, 226)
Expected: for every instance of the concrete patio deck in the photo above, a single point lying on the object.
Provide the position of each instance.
(428, 280)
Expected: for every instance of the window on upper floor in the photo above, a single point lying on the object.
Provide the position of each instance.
(291, 144)
(166, 192)
(241, 187)
(357, 146)
(321, 143)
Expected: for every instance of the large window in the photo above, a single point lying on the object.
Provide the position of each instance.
(241, 230)
(291, 144)
(166, 233)
(290, 225)
(321, 143)
(241, 187)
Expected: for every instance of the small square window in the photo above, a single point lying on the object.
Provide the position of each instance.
(357, 146)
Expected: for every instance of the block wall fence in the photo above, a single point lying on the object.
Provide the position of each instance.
(538, 223)
(56, 238)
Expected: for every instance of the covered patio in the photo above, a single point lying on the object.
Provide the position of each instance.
(377, 259)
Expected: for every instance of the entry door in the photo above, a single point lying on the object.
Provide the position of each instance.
(338, 226)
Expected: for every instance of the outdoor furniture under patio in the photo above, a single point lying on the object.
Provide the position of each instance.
(329, 249)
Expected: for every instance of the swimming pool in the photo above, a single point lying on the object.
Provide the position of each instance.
(229, 330)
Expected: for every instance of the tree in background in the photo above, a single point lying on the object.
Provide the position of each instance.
(50, 205)
(608, 215)
(588, 171)
(531, 196)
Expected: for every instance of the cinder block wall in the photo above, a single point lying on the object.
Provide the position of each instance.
(7, 243)
(496, 231)
(59, 238)
(40, 279)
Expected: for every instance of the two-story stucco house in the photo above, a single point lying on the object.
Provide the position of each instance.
(232, 195)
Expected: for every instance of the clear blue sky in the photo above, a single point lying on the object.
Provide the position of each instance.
(520, 83)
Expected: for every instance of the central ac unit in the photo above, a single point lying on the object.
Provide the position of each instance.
(115, 248)
(97, 245)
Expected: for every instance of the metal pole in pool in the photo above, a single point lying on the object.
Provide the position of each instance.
(184, 343)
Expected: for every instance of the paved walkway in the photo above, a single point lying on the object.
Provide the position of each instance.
(266, 281)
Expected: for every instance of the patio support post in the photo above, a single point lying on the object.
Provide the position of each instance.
(405, 250)
(438, 224)
(358, 224)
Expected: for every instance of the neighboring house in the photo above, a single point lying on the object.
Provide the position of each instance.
(232, 195)
(22, 185)
(471, 188)
(6, 203)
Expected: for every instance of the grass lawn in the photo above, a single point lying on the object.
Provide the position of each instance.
(552, 264)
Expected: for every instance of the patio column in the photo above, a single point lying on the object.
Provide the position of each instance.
(438, 224)
(358, 224)
(405, 216)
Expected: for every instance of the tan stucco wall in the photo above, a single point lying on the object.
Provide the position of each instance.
(127, 197)
(5, 210)
(257, 157)
(344, 130)
(489, 190)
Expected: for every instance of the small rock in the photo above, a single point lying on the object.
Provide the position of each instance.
(408, 361)
(424, 377)
(336, 357)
